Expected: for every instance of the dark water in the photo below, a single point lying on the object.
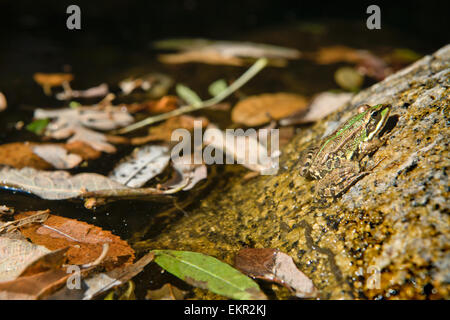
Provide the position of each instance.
(113, 57)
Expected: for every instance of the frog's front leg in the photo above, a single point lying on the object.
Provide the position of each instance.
(369, 147)
(335, 183)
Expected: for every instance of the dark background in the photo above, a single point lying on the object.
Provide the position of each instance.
(133, 22)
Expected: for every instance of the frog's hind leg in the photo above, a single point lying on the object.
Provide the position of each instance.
(340, 180)
(305, 160)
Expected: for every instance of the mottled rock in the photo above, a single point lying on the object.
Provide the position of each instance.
(386, 237)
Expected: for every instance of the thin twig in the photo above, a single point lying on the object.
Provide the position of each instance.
(250, 73)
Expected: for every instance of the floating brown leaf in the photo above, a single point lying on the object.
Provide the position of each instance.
(20, 154)
(49, 80)
(335, 54)
(163, 132)
(274, 265)
(165, 104)
(85, 241)
(261, 109)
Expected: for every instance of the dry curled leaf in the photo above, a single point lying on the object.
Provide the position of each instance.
(261, 109)
(85, 241)
(94, 92)
(77, 124)
(274, 265)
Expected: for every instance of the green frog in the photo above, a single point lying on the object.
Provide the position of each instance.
(336, 160)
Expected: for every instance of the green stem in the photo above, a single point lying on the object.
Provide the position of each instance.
(250, 73)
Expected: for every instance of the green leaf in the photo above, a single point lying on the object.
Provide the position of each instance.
(188, 95)
(217, 87)
(38, 126)
(209, 273)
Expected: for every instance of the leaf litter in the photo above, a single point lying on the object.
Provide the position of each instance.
(78, 124)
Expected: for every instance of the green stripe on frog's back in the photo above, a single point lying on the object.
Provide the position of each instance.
(349, 123)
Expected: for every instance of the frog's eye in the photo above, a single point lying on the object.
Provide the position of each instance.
(374, 114)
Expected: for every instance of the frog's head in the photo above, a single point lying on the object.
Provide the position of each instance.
(375, 118)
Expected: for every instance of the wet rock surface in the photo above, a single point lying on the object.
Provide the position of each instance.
(386, 237)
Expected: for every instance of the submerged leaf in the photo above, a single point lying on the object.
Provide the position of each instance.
(166, 292)
(348, 78)
(38, 126)
(188, 95)
(209, 273)
(217, 87)
(144, 164)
